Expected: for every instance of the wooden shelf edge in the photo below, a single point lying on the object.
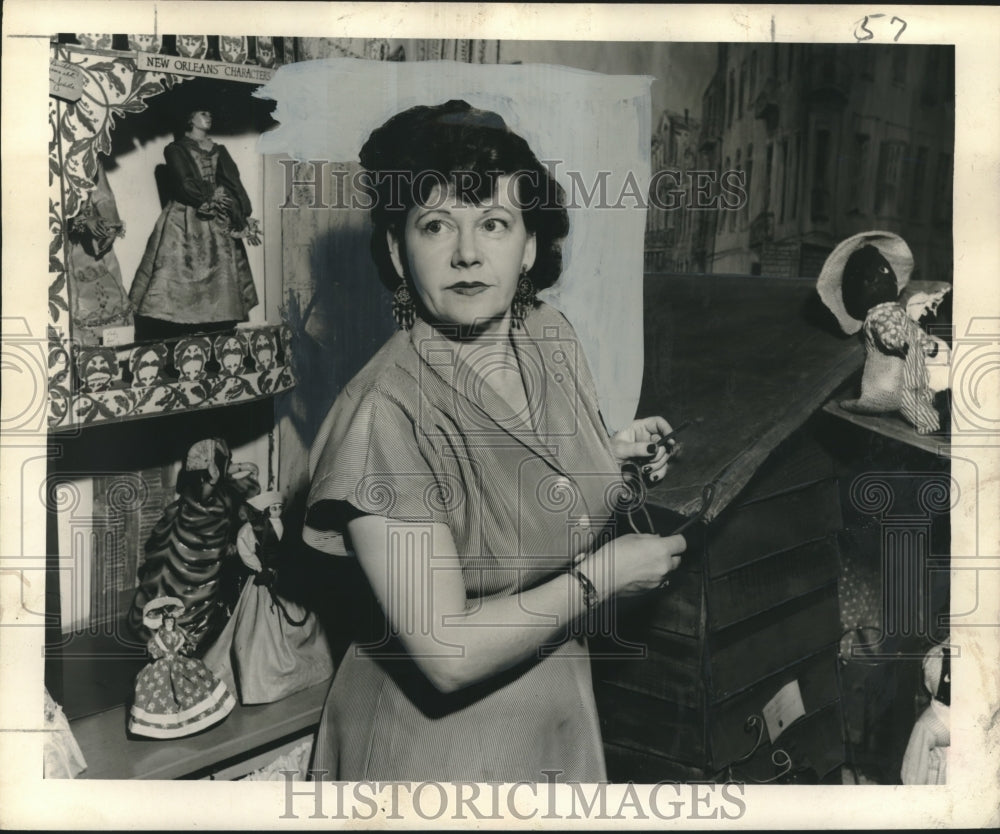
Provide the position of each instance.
(112, 754)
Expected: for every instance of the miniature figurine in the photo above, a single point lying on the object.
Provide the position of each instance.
(99, 300)
(271, 646)
(175, 695)
(187, 551)
(860, 283)
(62, 757)
(926, 758)
(922, 299)
(194, 275)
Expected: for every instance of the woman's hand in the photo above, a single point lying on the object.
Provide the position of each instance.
(633, 564)
(637, 442)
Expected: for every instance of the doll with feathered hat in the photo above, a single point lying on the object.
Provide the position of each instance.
(861, 283)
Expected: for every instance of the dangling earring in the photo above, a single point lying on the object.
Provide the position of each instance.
(403, 309)
(525, 297)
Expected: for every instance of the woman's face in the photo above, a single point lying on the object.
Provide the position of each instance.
(464, 259)
(201, 119)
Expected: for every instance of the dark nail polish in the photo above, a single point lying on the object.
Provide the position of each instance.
(651, 449)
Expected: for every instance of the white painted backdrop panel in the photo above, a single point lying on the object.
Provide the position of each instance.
(586, 122)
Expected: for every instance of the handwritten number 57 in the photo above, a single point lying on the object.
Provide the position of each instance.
(863, 33)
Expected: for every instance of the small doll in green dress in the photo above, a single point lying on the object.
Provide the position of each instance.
(175, 695)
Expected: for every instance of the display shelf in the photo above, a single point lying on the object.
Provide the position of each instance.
(112, 754)
(894, 427)
(94, 385)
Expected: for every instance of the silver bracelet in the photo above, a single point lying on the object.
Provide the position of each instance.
(590, 596)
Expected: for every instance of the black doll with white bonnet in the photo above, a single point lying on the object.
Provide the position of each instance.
(861, 283)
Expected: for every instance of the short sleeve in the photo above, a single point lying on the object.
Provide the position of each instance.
(376, 461)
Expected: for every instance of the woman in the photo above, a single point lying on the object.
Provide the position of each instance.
(194, 275)
(468, 469)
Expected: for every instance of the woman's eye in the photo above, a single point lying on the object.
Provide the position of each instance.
(494, 224)
(433, 227)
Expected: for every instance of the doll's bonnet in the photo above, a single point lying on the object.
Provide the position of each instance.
(828, 285)
(264, 500)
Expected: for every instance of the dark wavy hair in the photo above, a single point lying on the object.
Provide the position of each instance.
(467, 149)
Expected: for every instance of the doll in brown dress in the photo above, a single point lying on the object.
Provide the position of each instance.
(194, 275)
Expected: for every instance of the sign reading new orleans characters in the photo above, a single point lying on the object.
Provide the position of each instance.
(249, 73)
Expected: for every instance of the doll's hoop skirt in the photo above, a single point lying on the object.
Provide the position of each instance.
(270, 648)
(176, 696)
(193, 270)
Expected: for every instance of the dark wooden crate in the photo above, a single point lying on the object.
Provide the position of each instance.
(817, 677)
(754, 649)
(814, 743)
(652, 725)
(752, 531)
(798, 462)
(771, 581)
(753, 606)
(670, 667)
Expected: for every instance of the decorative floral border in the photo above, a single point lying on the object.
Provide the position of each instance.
(72, 405)
(78, 132)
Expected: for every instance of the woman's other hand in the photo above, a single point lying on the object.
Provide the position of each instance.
(633, 564)
(637, 443)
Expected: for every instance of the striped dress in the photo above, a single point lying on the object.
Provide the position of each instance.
(895, 376)
(419, 436)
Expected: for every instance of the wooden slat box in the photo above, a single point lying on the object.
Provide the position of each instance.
(748, 361)
(817, 680)
(753, 606)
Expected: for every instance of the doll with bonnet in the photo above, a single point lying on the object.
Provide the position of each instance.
(175, 695)
(926, 757)
(272, 646)
(861, 283)
(189, 550)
